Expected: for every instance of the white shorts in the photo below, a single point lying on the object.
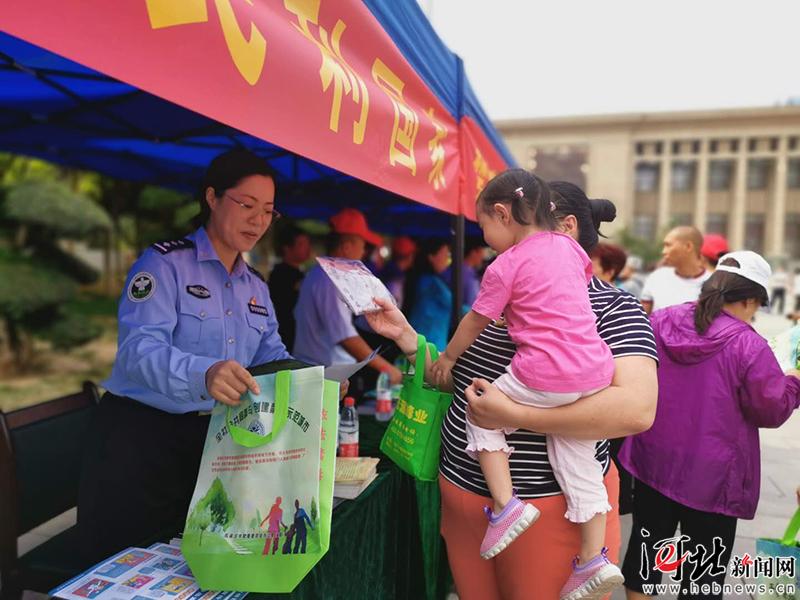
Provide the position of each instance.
(574, 466)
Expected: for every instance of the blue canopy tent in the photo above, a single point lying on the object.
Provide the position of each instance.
(56, 109)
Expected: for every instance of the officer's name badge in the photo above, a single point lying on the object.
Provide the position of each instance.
(256, 309)
(198, 291)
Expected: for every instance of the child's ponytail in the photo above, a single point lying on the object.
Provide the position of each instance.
(530, 198)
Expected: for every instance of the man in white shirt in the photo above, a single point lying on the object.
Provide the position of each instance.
(683, 273)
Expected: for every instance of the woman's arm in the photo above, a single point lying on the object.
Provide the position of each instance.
(768, 397)
(626, 407)
(392, 324)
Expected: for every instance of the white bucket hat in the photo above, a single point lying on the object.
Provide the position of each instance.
(752, 266)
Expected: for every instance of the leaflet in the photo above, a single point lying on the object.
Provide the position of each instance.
(356, 284)
(158, 572)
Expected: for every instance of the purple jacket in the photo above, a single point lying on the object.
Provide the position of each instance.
(714, 392)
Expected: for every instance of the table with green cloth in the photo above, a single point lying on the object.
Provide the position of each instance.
(385, 543)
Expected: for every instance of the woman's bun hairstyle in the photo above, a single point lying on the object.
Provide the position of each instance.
(571, 200)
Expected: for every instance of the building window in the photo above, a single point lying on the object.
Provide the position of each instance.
(752, 144)
(792, 239)
(793, 173)
(754, 232)
(659, 147)
(734, 145)
(758, 173)
(713, 146)
(676, 147)
(773, 144)
(683, 176)
(792, 143)
(560, 163)
(717, 223)
(644, 226)
(639, 148)
(696, 147)
(647, 177)
(720, 173)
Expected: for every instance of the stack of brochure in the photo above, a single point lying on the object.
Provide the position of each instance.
(353, 476)
(141, 573)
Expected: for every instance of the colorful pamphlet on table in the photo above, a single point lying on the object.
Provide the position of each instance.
(156, 572)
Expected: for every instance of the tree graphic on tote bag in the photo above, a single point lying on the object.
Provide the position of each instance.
(215, 508)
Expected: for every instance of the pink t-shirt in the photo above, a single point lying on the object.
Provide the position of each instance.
(541, 285)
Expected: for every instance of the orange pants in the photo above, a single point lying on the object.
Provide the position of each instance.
(536, 565)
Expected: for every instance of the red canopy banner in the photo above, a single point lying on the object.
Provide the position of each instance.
(320, 78)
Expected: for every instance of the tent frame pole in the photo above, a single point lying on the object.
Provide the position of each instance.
(458, 222)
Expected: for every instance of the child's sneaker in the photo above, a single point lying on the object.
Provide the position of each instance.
(504, 528)
(593, 580)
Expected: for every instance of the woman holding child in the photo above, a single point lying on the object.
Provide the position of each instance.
(520, 209)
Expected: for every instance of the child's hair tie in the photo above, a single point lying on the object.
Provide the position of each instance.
(519, 193)
(552, 207)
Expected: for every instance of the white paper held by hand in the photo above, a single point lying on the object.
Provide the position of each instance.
(356, 284)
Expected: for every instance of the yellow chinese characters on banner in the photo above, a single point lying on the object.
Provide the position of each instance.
(406, 122)
(436, 148)
(248, 54)
(335, 69)
(482, 171)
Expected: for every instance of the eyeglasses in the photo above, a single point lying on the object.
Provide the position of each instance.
(250, 208)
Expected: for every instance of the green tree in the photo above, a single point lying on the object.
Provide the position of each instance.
(313, 509)
(37, 277)
(649, 250)
(215, 508)
(200, 520)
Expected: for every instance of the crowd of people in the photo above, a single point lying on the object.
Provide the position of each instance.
(568, 369)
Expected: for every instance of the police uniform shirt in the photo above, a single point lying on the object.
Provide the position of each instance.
(181, 312)
(323, 320)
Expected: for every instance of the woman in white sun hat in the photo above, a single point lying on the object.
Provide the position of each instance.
(697, 468)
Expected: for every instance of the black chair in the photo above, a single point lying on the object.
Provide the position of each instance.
(41, 451)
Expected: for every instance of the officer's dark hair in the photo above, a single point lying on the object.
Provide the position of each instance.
(286, 236)
(529, 197)
(226, 171)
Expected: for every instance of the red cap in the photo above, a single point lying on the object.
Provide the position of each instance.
(714, 246)
(349, 401)
(403, 246)
(350, 221)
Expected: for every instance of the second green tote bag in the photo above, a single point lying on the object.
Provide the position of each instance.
(413, 437)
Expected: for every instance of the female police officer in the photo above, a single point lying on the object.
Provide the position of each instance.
(192, 316)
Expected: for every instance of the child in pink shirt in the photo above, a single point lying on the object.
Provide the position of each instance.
(539, 283)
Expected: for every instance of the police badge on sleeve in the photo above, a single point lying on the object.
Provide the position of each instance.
(141, 287)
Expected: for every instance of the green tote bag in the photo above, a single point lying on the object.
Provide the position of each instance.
(782, 557)
(260, 516)
(413, 437)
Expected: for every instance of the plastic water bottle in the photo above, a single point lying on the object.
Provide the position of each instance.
(348, 428)
(383, 398)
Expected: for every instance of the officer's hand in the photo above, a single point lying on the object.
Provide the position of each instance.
(227, 380)
(344, 387)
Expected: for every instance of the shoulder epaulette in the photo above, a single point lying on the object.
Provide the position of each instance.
(166, 247)
(256, 273)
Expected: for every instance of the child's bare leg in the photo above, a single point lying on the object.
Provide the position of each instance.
(498, 477)
(593, 535)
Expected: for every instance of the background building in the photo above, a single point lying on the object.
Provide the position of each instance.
(734, 172)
